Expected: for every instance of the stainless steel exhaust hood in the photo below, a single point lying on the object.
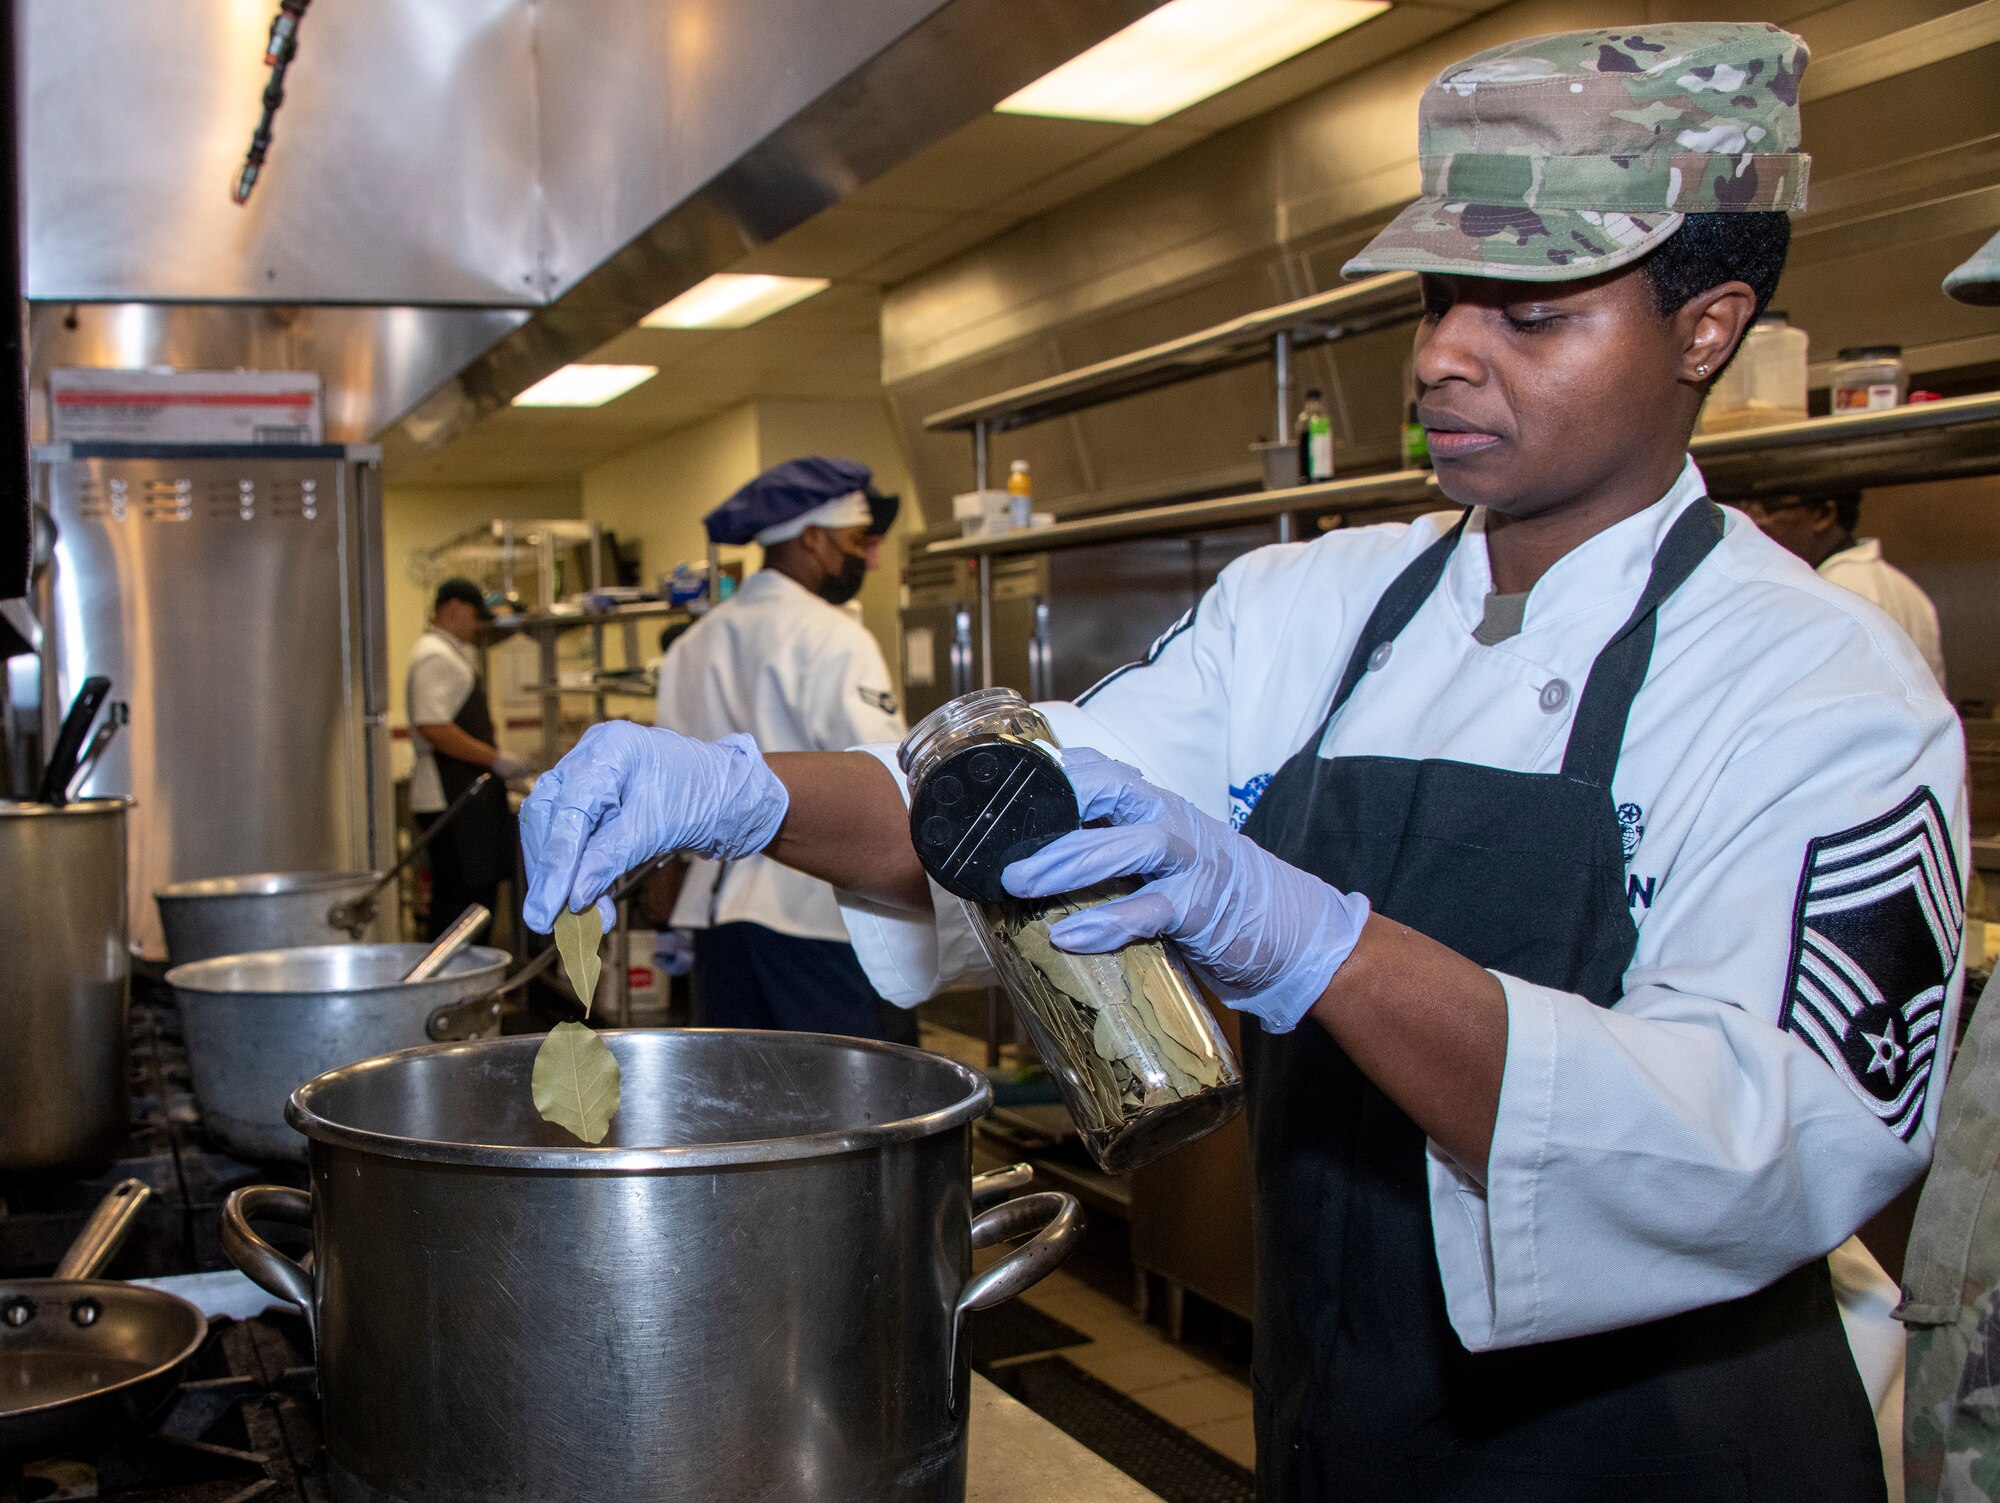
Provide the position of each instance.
(464, 197)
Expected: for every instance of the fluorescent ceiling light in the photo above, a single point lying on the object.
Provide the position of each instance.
(732, 300)
(1182, 53)
(585, 385)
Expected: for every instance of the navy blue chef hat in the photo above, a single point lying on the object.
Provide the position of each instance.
(800, 493)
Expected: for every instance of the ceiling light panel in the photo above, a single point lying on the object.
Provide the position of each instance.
(733, 300)
(585, 385)
(1181, 54)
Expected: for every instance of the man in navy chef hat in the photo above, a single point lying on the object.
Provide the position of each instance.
(783, 664)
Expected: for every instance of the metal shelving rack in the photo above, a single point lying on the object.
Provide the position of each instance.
(1268, 334)
(547, 628)
(1901, 445)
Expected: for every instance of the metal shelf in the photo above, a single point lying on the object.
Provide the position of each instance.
(553, 622)
(1361, 494)
(1896, 446)
(606, 690)
(1374, 304)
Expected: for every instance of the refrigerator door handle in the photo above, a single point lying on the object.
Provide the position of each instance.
(961, 651)
(1041, 660)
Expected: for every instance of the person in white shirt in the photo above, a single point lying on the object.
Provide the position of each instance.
(1820, 530)
(1589, 874)
(785, 662)
(452, 734)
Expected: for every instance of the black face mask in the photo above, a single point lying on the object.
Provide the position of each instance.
(838, 589)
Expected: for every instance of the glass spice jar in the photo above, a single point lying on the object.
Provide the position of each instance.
(1867, 378)
(1137, 1056)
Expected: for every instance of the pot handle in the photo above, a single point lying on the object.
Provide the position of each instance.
(266, 1267)
(989, 1189)
(463, 1020)
(1057, 1221)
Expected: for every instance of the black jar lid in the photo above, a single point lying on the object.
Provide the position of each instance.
(985, 807)
(1872, 352)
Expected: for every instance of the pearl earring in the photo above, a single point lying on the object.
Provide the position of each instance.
(1701, 370)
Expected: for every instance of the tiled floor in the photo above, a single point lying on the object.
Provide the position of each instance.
(1139, 1361)
(1136, 1358)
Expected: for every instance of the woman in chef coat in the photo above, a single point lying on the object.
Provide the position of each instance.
(1590, 869)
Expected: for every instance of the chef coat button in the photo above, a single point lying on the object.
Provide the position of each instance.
(1379, 658)
(1555, 694)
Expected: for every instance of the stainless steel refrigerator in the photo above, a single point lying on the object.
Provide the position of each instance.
(233, 596)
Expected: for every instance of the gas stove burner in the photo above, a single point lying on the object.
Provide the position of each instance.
(243, 1427)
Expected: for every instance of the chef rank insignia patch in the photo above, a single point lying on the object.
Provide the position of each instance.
(1874, 942)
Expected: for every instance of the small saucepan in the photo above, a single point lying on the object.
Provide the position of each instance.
(82, 1358)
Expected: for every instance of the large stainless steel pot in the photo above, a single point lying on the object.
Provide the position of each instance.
(65, 967)
(751, 1290)
(260, 1026)
(262, 911)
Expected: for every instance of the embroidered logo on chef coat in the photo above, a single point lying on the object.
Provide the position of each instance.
(1629, 816)
(880, 699)
(1874, 941)
(1243, 800)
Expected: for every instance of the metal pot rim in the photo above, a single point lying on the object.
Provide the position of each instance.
(262, 885)
(490, 965)
(581, 1157)
(116, 803)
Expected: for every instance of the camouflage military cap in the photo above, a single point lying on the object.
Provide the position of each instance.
(1559, 157)
(1978, 280)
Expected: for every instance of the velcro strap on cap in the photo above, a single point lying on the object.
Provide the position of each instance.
(1681, 182)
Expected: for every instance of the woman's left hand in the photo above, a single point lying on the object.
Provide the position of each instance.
(1268, 936)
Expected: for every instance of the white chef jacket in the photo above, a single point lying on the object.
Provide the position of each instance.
(1863, 570)
(1681, 1148)
(441, 678)
(798, 674)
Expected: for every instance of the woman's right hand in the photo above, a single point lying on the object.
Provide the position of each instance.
(627, 793)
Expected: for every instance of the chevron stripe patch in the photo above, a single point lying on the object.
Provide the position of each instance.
(1875, 939)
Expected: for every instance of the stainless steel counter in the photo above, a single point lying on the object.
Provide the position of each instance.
(1019, 1457)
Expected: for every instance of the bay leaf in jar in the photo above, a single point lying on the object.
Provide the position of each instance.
(1133, 1009)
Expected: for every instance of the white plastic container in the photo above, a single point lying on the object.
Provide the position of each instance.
(981, 513)
(1765, 384)
(649, 983)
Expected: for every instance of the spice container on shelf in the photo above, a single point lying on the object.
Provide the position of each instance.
(1140, 1061)
(1868, 377)
(1766, 382)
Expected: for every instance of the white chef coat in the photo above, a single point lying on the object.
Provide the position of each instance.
(1680, 1148)
(442, 675)
(1863, 570)
(798, 674)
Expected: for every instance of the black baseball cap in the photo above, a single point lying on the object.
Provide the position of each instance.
(462, 589)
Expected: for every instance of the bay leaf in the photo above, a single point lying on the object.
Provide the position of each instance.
(578, 936)
(576, 1081)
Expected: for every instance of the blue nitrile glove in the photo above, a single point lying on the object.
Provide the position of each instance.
(627, 793)
(1267, 936)
(673, 951)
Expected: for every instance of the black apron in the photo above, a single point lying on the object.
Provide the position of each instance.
(482, 837)
(1364, 1391)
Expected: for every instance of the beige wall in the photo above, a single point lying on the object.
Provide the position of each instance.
(416, 518)
(658, 493)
